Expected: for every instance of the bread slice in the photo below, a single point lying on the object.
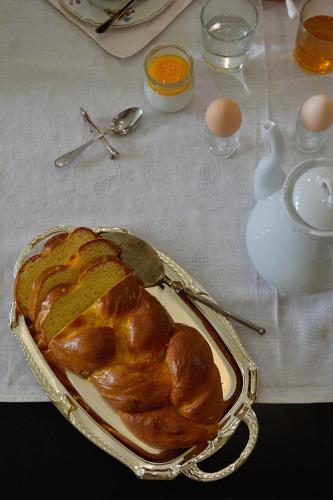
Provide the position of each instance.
(65, 302)
(53, 241)
(53, 255)
(69, 273)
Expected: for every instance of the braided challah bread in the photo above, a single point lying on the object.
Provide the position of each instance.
(158, 375)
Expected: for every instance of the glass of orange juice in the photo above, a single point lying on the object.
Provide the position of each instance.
(314, 42)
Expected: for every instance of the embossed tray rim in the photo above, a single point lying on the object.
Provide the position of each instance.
(69, 407)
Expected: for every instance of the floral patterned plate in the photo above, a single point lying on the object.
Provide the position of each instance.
(98, 11)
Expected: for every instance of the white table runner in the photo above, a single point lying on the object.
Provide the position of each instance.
(165, 187)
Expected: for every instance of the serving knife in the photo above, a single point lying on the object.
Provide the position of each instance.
(114, 18)
(113, 152)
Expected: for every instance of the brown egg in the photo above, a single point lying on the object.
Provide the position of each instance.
(316, 113)
(223, 117)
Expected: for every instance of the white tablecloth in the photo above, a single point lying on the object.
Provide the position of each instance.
(166, 187)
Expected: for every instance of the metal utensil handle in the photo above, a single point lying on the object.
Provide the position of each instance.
(113, 19)
(65, 159)
(199, 298)
(113, 152)
(193, 471)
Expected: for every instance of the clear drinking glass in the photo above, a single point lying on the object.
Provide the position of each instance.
(228, 28)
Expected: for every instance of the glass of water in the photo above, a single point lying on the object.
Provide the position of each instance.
(228, 28)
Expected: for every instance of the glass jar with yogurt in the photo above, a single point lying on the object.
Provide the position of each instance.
(169, 77)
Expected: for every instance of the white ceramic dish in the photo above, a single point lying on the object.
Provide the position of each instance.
(98, 11)
(83, 406)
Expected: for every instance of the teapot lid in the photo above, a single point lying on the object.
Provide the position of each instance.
(312, 193)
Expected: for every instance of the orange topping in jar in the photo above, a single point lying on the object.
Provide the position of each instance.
(167, 71)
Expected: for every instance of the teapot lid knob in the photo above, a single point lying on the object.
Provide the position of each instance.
(312, 195)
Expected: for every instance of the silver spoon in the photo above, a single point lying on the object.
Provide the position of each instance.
(122, 124)
(149, 269)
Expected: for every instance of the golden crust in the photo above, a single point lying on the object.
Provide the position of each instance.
(121, 299)
(85, 350)
(150, 327)
(196, 384)
(167, 429)
(134, 387)
(55, 240)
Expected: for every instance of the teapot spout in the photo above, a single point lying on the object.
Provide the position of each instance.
(269, 178)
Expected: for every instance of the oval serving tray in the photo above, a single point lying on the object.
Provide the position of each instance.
(83, 406)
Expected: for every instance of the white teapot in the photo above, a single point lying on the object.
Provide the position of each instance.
(289, 234)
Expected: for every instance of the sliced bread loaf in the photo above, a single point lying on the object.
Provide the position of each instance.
(53, 255)
(65, 302)
(69, 273)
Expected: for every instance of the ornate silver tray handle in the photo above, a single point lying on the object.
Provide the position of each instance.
(238, 373)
